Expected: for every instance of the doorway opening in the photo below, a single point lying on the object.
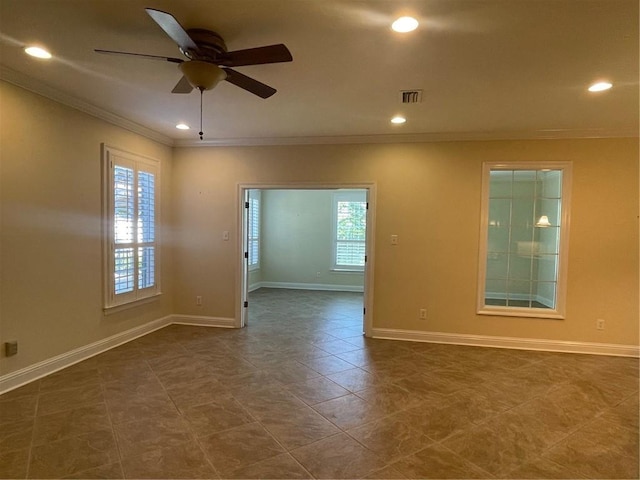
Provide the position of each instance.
(307, 248)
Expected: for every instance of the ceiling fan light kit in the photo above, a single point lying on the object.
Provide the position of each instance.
(208, 61)
(202, 75)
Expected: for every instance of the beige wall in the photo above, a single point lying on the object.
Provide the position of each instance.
(297, 239)
(50, 224)
(428, 195)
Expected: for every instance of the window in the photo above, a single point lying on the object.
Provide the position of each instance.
(131, 212)
(350, 227)
(523, 251)
(254, 229)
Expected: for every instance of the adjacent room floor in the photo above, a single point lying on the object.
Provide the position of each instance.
(300, 393)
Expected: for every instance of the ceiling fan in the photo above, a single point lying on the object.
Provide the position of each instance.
(208, 60)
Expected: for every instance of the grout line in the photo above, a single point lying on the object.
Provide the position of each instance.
(33, 431)
(183, 344)
(113, 431)
(465, 459)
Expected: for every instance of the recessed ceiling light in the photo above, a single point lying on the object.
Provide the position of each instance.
(182, 126)
(398, 119)
(37, 52)
(600, 87)
(405, 24)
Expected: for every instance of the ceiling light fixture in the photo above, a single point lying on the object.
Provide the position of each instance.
(600, 87)
(182, 126)
(398, 119)
(203, 76)
(404, 24)
(37, 52)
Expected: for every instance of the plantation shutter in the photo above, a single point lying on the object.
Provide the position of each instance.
(131, 213)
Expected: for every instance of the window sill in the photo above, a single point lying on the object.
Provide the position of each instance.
(135, 303)
(347, 270)
(521, 312)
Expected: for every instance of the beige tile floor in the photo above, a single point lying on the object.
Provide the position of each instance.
(300, 393)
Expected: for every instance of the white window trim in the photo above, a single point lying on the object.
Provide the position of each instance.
(563, 251)
(340, 196)
(112, 303)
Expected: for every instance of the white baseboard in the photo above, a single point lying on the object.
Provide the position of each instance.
(202, 321)
(38, 370)
(509, 342)
(310, 286)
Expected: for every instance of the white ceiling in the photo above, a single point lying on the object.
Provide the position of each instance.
(488, 68)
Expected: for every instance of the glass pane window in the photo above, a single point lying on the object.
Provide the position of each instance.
(131, 252)
(124, 271)
(123, 200)
(350, 226)
(146, 267)
(352, 221)
(523, 244)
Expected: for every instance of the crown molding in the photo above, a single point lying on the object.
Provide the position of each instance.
(24, 81)
(413, 138)
(28, 83)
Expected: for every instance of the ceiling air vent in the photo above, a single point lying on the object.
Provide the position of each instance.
(411, 96)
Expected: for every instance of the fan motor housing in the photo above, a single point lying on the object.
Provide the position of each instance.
(210, 43)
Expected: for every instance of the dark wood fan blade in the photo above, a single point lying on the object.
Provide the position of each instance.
(257, 56)
(249, 84)
(183, 86)
(171, 27)
(150, 57)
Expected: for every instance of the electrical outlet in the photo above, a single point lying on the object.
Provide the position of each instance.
(423, 314)
(198, 300)
(600, 324)
(318, 274)
(11, 348)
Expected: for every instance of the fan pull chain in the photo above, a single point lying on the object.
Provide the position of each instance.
(201, 133)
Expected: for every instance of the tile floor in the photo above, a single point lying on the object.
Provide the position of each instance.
(300, 393)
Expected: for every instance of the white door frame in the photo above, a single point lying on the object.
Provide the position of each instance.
(242, 270)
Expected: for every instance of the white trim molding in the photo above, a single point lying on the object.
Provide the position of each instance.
(242, 284)
(556, 248)
(509, 342)
(425, 137)
(203, 321)
(36, 86)
(38, 370)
